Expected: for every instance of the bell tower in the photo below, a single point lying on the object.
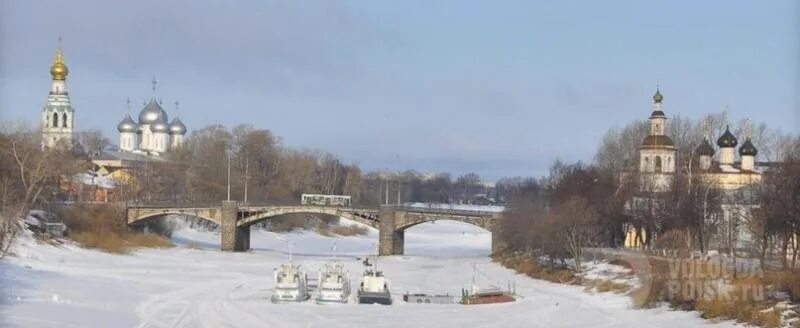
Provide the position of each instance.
(657, 153)
(58, 116)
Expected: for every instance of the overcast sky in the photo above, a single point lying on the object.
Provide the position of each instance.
(500, 88)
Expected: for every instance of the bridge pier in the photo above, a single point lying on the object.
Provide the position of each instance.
(390, 241)
(234, 239)
(242, 239)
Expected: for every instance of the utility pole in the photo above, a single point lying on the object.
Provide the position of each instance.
(229, 174)
(386, 187)
(246, 168)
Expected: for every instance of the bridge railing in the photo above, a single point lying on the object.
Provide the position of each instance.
(446, 211)
(134, 204)
(253, 206)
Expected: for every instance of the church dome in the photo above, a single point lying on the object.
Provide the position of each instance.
(747, 149)
(152, 113)
(177, 127)
(727, 140)
(159, 126)
(705, 148)
(59, 69)
(657, 98)
(127, 125)
(657, 112)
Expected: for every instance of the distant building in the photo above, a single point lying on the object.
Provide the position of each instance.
(153, 134)
(58, 115)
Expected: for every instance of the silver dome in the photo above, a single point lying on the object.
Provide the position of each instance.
(152, 113)
(127, 125)
(159, 126)
(177, 127)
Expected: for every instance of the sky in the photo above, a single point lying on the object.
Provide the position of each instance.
(500, 88)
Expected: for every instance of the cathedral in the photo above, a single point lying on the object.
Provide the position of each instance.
(58, 116)
(153, 134)
(657, 160)
(657, 156)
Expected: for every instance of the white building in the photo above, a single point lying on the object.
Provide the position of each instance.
(58, 115)
(153, 134)
(657, 152)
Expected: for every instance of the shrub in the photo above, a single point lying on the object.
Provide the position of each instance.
(104, 227)
(533, 269)
(784, 281)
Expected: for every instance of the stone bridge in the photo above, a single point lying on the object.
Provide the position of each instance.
(235, 219)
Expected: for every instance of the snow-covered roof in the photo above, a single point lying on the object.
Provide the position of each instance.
(93, 180)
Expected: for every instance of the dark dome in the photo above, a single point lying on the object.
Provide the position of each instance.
(657, 141)
(747, 149)
(727, 140)
(658, 97)
(705, 148)
(657, 113)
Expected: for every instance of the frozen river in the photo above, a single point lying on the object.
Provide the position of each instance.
(199, 286)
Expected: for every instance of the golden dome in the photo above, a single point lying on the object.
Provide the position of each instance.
(59, 69)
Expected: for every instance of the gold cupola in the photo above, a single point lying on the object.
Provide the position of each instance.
(59, 69)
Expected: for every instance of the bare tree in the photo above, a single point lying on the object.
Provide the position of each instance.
(576, 223)
(93, 141)
(29, 172)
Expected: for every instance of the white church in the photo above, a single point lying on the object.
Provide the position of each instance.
(153, 134)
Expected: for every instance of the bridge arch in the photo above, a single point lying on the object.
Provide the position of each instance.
(487, 224)
(394, 224)
(136, 216)
(271, 213)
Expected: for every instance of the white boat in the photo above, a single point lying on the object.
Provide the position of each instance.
(333, 284)
(374, 288)
(291, 284)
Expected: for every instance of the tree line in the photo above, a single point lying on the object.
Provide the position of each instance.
(263, 170)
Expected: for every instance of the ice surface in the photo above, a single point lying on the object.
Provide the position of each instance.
(195, 285)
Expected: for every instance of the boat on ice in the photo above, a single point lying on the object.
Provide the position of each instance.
(486, 295)
(291, 284)
(374, 288)
(333, 284)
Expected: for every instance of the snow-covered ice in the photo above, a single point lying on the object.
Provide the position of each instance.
(195, 285)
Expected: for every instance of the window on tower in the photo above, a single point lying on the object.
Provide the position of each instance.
(64, 120)
(55, 120)
(658, 164)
